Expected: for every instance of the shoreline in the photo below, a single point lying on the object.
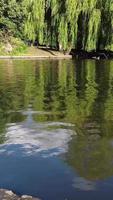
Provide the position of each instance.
(94, 55)
(34, 57)
(34, 53)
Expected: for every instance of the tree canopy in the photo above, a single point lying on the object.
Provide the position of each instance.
(83, 25)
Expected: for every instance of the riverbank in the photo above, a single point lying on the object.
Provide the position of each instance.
(9, 195)
(38, 53)
(35, 57)
(34, 53)
(96, 55)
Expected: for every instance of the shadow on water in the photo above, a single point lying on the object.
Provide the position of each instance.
(56, 128)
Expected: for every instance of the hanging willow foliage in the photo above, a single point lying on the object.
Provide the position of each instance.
(72, 19)
(52, 22)
(63, 34)
(70, 23)
(34, 24)
(63, 24)
(93, 30)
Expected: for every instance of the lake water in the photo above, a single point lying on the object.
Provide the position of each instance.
(56, 128)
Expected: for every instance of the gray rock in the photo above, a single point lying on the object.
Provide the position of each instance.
(9, 195)
(8, 48)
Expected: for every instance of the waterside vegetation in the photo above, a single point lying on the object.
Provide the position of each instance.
(64, 25)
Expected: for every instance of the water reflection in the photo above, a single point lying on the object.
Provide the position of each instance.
(84, 184)
(29, 137)
(92, 157)
(62, 110)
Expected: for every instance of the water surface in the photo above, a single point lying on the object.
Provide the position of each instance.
(56, 128)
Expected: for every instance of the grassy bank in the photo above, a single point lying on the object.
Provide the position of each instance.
(12, 46)
(17, 48)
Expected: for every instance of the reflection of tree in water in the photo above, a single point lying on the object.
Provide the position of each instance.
(75, 92)
(80, 99)
(92, 157)
(2, 127)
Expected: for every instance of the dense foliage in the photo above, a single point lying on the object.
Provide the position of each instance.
(66, 24)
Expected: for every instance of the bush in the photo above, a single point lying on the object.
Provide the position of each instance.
(17, 45)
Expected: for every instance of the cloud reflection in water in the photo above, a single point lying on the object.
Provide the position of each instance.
(30, 137)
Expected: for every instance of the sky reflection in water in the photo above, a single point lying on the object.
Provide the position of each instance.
(33, 137)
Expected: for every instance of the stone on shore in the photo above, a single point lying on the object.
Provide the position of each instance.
(8, 48)
(9, 195)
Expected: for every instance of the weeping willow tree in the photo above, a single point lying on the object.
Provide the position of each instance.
(79, 24)
(72, 19)
(93, 29)
(51, 22)
(34, 24)
(107, 22)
